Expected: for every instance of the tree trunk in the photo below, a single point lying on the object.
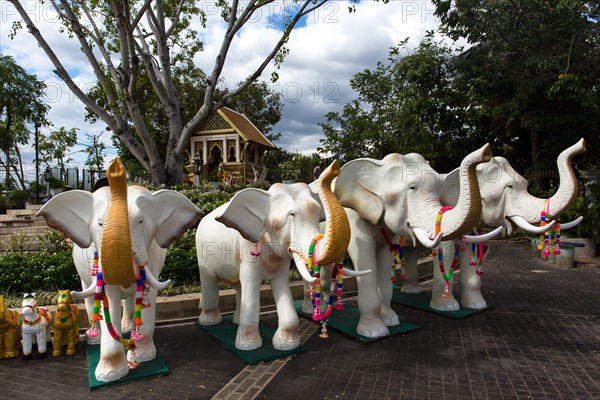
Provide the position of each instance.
(535, 156)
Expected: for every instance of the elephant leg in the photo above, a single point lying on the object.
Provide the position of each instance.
(57, 341)
(439, 299)
(238, 302)
(362, 252)
(411, 283)
(248, 335)
(325, 286)
(128, 310)
(470, 287)
(307, 306)
(112, 365)
(89, 309)
(286, 337)
(145, 347)
(386, 286)
(209, 303)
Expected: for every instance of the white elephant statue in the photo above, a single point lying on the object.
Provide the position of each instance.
(399, 196)
(253, 238)
(129, 229)
(505, 205)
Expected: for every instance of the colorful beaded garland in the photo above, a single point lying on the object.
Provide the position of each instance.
(335, 288)
(440, 254)
(398, 251)
(136, 334)
(94, 269)
(549, 240)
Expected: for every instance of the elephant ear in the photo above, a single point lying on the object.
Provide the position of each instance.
(174, 214)
(71, 213)
(247, 212)
(356, 188)
(450, 190)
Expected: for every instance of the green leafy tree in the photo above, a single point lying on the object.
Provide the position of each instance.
(54, 148)
(125, 41)
(411, 103)
(21, 103)
(95, 152)
(533, 74)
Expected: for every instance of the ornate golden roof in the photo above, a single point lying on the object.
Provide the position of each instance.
(225, 120)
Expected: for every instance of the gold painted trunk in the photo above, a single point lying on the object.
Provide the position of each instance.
(116, 254)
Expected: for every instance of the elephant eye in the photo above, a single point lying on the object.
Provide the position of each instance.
(412, 187)
(140, 221)
(100, 223)
(292, 214)
(509, 186)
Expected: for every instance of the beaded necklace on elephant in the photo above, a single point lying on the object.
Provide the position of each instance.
(397, 250)
(440, 254)
(136, 334)
(337, 279)
(549, 240)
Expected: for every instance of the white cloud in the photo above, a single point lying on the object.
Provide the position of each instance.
(314, 79)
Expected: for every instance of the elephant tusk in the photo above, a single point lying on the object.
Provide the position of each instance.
(351, 272)
(424, 239)
(526, 226)
(569, 225)
(85, 293)
(302, 268)
(484, 237)
(155, 283)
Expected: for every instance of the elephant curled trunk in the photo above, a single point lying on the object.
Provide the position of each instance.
(564, 196)
(334, 243)
(116, 250)
(459, 220)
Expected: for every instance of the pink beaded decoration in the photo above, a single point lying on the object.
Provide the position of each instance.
(94, 270)
(255, 250)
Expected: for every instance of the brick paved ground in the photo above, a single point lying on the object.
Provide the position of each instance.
(541, 341)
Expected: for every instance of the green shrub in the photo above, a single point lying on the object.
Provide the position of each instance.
(54, 241)
(21, 273)
(181, 265)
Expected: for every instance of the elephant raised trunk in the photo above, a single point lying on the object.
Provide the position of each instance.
(116, 250)
(456, 222)
(333, 245)
(564, 197)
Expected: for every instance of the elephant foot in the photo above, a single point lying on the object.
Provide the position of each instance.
(111, 376)
(307, 306)
(127, 327)
(56, 353)
(93, 340)
(372, 327)
(389, 316)
(145, 350)
(112, 368)
(70, 351)
(473, 300)
(441, 303)
(286, 338)
(248, 337)
(27, 357)
(411, 288)
(211, 317)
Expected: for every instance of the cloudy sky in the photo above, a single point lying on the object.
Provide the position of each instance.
(329, 47)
